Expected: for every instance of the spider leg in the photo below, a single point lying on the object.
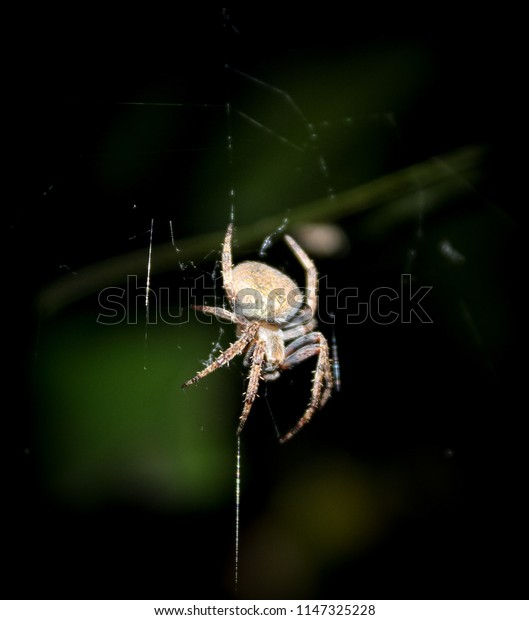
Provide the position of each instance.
(227, 266)
(226, 356)
(310, 270)
(306, 341)
(253, 382)
(305, 347)
(247, 361)
(299, 330)
(220, 313)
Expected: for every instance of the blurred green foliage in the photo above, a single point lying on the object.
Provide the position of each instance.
(114, 430)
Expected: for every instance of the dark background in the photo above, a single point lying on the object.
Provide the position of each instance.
(409, 483)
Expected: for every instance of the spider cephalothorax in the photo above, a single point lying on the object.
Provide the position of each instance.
(269, 310)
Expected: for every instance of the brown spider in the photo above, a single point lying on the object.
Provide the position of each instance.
(269, 309)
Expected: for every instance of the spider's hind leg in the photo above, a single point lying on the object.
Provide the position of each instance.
(299, 350)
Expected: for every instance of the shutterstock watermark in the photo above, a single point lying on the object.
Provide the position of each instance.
(383, 305)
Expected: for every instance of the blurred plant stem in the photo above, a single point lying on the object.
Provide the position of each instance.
(393, 196)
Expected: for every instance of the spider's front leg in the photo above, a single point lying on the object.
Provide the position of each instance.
(227, 267)
(301, 349)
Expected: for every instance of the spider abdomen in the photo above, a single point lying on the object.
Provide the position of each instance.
(265, 293)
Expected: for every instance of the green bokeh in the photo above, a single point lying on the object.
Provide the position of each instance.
(115, 423)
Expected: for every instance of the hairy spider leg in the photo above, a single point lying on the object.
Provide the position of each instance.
(307, 346)
(298, 351)
(221, 313)
(253, 382)
(226, 356)
(227, 267)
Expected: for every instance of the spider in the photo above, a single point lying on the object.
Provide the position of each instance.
(269, 310)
